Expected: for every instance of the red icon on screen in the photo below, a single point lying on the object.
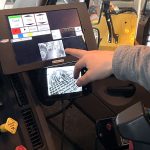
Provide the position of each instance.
(16, 31)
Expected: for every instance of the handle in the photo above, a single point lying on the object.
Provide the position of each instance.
(123, 91)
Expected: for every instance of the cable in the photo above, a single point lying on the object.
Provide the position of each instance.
(60, 111)
(75, 145)
(85, 113)
(64, 108)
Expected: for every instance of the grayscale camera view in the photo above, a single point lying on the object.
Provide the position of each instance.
(51, 50)
(60, 81)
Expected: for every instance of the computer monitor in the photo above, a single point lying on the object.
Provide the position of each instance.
(36, 37)
(57, 83)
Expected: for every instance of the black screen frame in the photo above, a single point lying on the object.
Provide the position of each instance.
(7, 56)
(38, 78)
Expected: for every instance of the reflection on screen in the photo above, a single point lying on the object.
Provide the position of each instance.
(44, 36)
(60, 81)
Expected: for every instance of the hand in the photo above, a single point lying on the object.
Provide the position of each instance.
(98, 63)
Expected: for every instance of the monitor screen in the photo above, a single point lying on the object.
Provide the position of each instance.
(57, 83)
(36, 37)
(44, 36)
(60, 80)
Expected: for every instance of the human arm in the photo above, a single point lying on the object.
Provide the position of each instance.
(126, 63)
(132, 63)
(99, 64)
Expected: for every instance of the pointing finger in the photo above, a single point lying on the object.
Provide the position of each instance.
(75, 52)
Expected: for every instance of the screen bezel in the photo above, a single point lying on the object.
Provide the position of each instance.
(7, 55)
(39, 81)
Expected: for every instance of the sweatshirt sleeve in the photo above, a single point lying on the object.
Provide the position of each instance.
(132, 63)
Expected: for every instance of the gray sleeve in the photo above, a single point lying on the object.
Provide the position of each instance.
(132, 63)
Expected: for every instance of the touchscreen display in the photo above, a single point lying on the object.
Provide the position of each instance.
(44, 36)
(60, 80)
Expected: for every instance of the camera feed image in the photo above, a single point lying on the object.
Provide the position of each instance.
(51, 50)
(60, 80)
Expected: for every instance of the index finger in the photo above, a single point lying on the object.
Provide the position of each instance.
(75, 52)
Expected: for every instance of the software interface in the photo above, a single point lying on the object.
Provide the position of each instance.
(44, 36)
(60, 81)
